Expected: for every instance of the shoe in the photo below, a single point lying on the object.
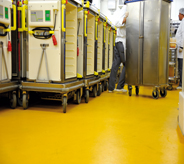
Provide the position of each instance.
(179, 87)
(120, 90)
(110, 91)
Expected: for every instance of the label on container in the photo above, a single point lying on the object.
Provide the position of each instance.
(6, 13)
(1, 11)
(47, 15)
(37, 16)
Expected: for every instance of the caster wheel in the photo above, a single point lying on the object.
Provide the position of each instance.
(130, 92)
(137, 90)
(87, 96)
(155, 94)
(170, 87)
(99, 90)
(163, 93)
(24, 101)
(64, 103)
(107, 85)
(78, 100)
(13, 101)
(102, 87)
(94, 91)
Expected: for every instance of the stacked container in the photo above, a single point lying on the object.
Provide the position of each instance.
(6, 83)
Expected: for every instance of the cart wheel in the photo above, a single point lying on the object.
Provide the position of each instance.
(99, 90)
(155, 94)
(78, 100)
(94, 91)
(64, 103)
(137, 90)
(87, 96)
(24, 101)
(130, 90)
(170, 87)
(102, 87)
(163, 93)
(13, 101)
(107, 85)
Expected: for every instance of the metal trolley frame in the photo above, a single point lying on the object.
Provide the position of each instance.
(173, 62)
(55, 90)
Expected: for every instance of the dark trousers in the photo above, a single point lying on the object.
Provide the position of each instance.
(180, 69)
(119, 58)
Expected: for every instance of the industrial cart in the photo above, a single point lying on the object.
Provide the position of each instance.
(6, 83)
(52, 51)
(88, 45)
(148, 45)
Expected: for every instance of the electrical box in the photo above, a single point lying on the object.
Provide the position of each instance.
(5, 8)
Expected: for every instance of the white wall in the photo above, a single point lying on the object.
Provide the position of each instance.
(175, 6)
(105, 11)
(96, 3)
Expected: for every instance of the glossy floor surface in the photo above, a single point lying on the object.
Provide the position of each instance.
(111, 129)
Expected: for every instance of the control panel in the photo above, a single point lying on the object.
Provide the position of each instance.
(5, 9)
(42, 13)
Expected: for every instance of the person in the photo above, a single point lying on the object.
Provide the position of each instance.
(119, 53)
(180, 44)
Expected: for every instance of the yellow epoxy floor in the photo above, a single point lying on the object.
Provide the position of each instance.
(111, 129)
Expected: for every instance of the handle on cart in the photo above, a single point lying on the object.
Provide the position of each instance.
(96, 31)
(85, 23)
(109, 34)
(105, 24)
(114, 38)
(114, 35)
(14, 27)
(23, 9)
(96, 34)
(63, 18)
(24, 18)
